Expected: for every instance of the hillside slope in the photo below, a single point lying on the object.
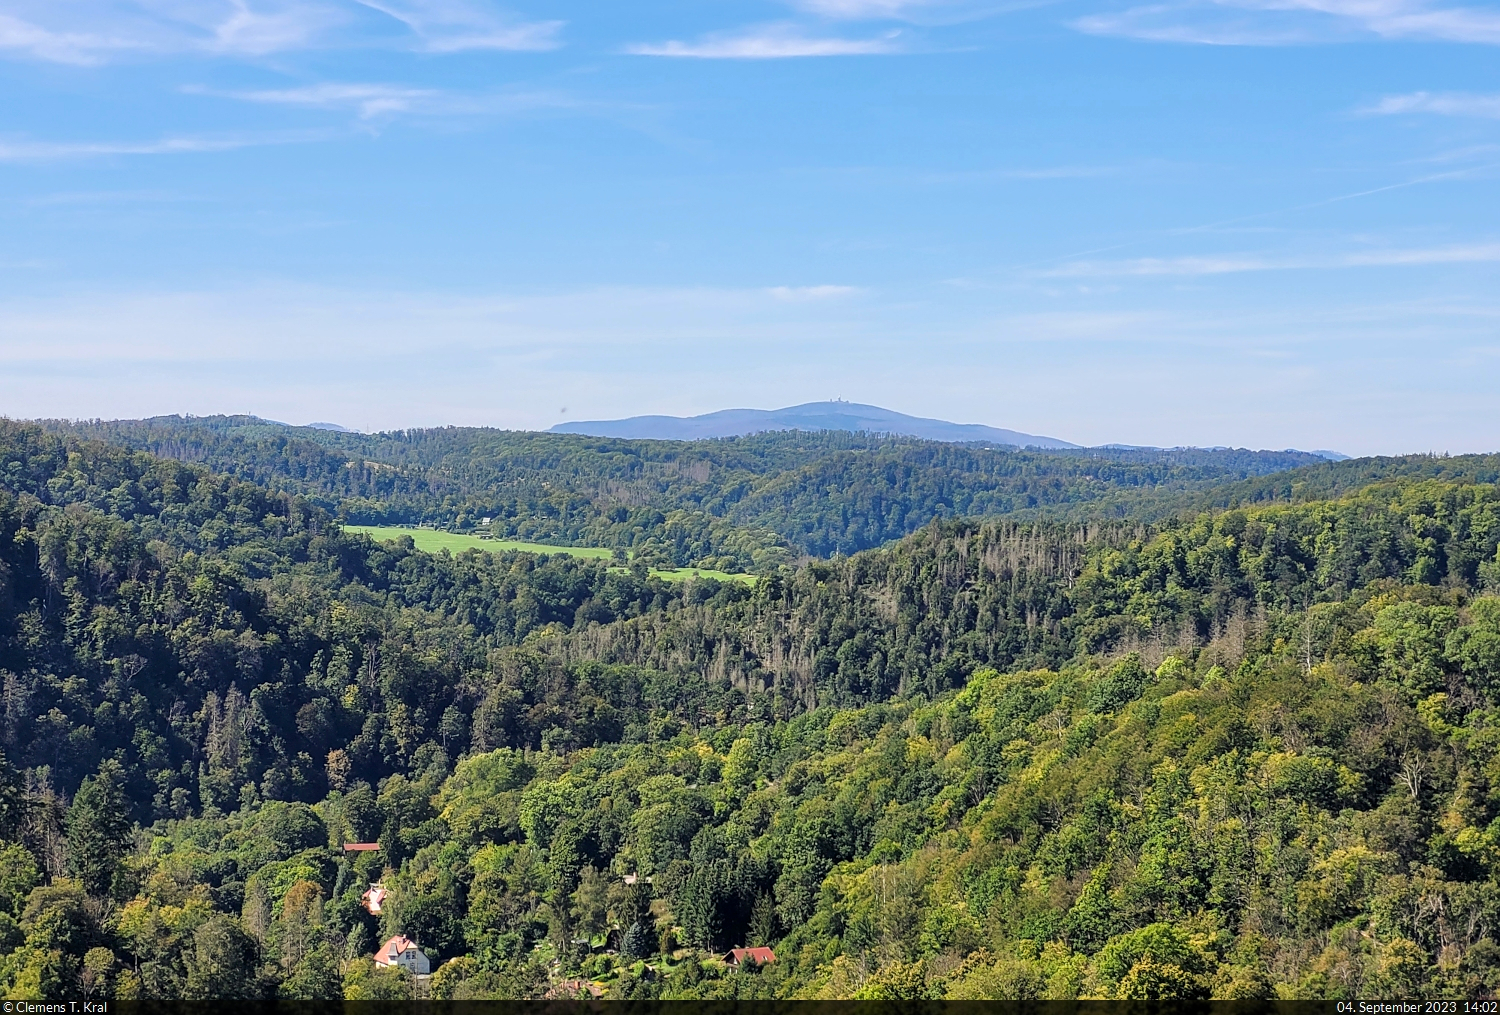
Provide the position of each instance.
(737, 504)
(1245, 755)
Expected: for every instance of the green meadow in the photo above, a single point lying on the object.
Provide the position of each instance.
(683, 573)
(434, 540)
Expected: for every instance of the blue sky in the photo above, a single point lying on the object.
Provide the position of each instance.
(1262, 223)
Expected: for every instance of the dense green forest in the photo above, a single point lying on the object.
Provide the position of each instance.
(1246, 753)
(748, 503)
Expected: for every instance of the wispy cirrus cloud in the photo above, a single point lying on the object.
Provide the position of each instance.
(50, 151)
(810, 293)
(1236, 263)
(456, 26)
(769, 42)
(1175, 23)
(97, 31)
(1296, 22)
(1441, 103)
(373, 101)
(18, 35)
(919, 12)
(861, 10)
(368, 101)
(258, 31)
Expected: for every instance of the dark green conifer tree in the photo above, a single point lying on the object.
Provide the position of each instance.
(99, 828)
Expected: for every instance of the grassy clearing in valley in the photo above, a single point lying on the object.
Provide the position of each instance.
(684, 573)
(434, 540)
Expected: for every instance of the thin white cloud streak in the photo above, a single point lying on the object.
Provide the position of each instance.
(368, 100)
(1294, 22)
(1075, 258)
(93, 31)
(1235, 264)
(97, 31)
(372, 101)
(864, 10)
(51, 31)
(454, 26)
(806, 293)
(47, 151)
(250, 32)
(917, 12)
(83, 48)
(1145, 24)
(1441, 103)
(768, 42)
(1452, 24)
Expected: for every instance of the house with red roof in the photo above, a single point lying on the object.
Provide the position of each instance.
(373, 898)
(751, 956)
(403, 952)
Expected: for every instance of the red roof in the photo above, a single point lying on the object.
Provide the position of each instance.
(759, 956)
(392, 948)
(360, 847)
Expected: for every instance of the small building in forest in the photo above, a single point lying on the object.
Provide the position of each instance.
(403, 952)
(576, 988)
(749, 956)
(373, 898)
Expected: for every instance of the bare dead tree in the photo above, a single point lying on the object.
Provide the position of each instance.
(979, 788)
(1307, 640)
(1413, 773)
(1055, 721)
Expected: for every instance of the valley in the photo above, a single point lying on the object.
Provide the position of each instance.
(1229, 735)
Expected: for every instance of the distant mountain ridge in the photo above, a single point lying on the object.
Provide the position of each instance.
(835, 415)
(1332, 456)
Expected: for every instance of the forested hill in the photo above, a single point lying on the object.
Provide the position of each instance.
(1253, 754)
(734, 504)
(1322, 481)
